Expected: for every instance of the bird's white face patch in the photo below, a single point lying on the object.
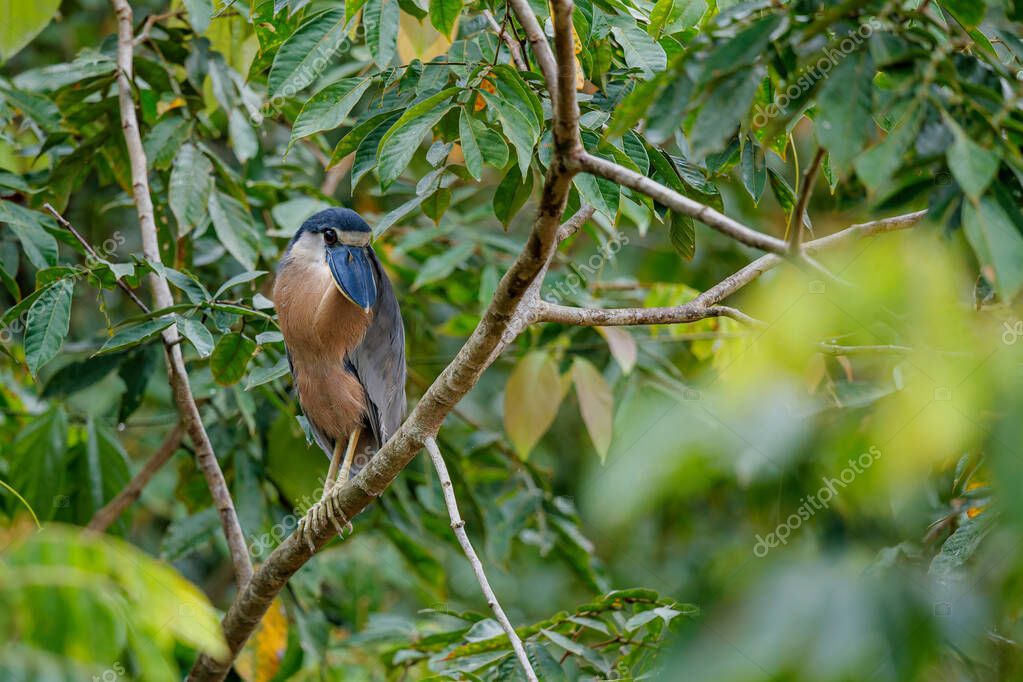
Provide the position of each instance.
(310, 253)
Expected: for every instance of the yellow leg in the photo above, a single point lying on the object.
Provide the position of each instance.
(346, 466)
(335, 461)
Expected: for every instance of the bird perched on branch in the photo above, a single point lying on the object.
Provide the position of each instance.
(344, 337)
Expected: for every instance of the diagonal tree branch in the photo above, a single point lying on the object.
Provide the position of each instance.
(162, 298)
(464, 371)
(541, 48)
(513, 46)
(102, 519)
(706, 304)
(680, 204)
(458, 525)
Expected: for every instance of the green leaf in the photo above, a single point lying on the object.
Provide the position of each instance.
(354, 137)
(234, 228)
(135, 335)
(641, 51)
(306, 53)
(264, 375)
(380, 17)
(511, 194)
(470, 147)
(720, 115)
(135, 372)
(104, 465)
(973, 166)
(164, 140)
(783, 192)
(682, 234)
(531, 399)
(595, 403)
(200, 12)
(492, 146)
(191, 182)
(196, 332)
(435, 204)
(243, 138)
(754, 169)
(444, 15)
(187, 534)
(443, 264)
(742, 51)
(231, 357)
(22, 21)
(400, 143)
(243, 278)
(80, 375)
(48, 323)
(843, 123)
(329, 107)
(968, 12)
(517, 128)
(37, 461)
(877, 165)
(28, 227)
(997, 242)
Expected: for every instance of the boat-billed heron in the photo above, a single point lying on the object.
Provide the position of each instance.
(344, 338)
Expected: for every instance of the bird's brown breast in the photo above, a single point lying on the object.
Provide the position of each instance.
(320, 327)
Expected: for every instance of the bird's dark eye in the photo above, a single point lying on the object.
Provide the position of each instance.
(330, 237)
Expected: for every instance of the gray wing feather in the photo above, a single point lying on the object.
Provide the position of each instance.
(379, 361)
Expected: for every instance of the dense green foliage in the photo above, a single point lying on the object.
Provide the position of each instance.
(631, 490)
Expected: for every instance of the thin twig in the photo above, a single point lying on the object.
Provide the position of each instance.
(92, 252)
(151, 20)
(679, 203)
(162, 298)
(794, 233)
(513, 46)
(102, 519)
(458, 525)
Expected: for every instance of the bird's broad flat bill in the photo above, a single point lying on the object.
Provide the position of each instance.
(353, 274)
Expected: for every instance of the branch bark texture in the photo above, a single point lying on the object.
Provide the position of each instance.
(458, 525)
(162, 298)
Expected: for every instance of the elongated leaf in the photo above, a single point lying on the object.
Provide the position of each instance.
(470, 147)
(444, 15)
(39, 245)
(531, 400)
(135, 335)
(191, 182)
(264, 375)
(48, 322)
(595, 403)
(440, 266)
(720, 114)
(511, 194)
(400, 143)
(196, 332)
(641, 51)
(243, 278)
(234, 228)
(519, 130)
(329, 107)
(754, 170)
(306, 53)
(973, 166)
(997, 242)
(622, 346)
(20, 22)
(843, 123)
(354, 137)
(37, 465)
(682, 234)
(876, 166)
(230, 358)
(104, 469)
(380, 17)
